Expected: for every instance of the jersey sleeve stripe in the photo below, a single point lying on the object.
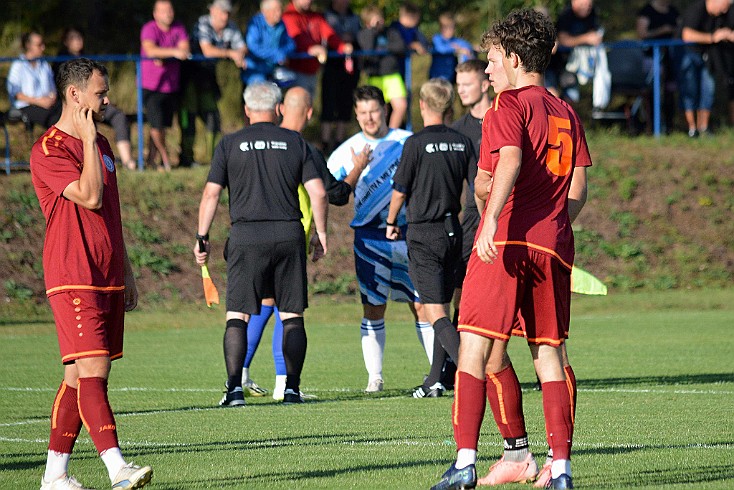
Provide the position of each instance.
(46, 138)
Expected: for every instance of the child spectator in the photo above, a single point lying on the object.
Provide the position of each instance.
(383, 71)
(448, 50)
(409, 16)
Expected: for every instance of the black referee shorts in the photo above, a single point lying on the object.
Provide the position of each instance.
(432, 260)
(266, 259)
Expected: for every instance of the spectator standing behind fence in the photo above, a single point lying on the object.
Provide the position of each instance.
(269, 46)
(31, 84)
(313, 36)
(448, 50)
(709, 24)
(383, 71)
(162, 38)
(214, 36)
(340, 78)
(72, 44)
(657, 20)
(577, 26)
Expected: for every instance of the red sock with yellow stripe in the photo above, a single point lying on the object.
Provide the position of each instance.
(65, 420)
(467, 410)
(96, 413)
(558, 419)
(571, 383)
(505, 398)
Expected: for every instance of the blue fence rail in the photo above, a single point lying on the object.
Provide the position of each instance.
(656, 47)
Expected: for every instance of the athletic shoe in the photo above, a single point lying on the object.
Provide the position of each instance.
(253, 389)
(132, 476)
(563, 481)
(511, 472)
(234, 398)
(429, 392)
(279, 389)
(374, 386)
(544, 477)
(291, 397)
(65, 483)
(457, 479)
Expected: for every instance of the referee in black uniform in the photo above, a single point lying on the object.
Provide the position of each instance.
(262, 166)
(429, 180)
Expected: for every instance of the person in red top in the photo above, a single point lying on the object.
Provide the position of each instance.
(313, 35)
(88, 276)
(532, 177)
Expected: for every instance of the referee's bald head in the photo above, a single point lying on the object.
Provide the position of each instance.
(262, 97)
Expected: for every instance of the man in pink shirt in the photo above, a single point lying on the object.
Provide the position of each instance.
(313, 35)
(162, 38)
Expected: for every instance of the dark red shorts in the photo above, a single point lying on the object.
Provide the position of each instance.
(89, 324)
(523, 286)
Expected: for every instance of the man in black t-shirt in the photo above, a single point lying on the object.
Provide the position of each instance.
(429, 181)
(262, 166)
(709, 24)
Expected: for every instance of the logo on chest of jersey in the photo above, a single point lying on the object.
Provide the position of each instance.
(434, 147)
(263, 145)
(108, 163)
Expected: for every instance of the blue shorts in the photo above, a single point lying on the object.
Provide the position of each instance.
(382, 267)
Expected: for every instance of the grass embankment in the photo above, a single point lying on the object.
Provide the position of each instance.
(658, 217)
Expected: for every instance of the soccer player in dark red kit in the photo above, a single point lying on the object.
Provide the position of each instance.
(88, 276)
(533, 152)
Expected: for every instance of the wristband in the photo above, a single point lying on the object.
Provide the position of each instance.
(204, 237)
(391, 224)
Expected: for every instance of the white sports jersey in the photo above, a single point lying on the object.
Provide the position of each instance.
(374, 187)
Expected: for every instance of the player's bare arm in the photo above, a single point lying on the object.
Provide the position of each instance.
(320, 207)
(482, 188)
(87, 191)
(392, 232)
(207, 211)
(508, 168)
(359, 161)
(577, 193)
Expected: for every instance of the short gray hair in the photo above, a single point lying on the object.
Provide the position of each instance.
(262, 96)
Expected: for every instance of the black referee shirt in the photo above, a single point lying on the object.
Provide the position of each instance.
(262, 166)
(471, 127)
(431, 173)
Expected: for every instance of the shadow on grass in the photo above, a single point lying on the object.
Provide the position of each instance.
(648, 381)
(659, 477)
(683, 379)
(270, 478)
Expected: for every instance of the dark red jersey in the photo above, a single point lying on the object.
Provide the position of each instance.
(83, 249)
(553, 143)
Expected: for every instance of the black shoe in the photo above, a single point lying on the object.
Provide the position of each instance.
(433, 391)
(234, 398)
(291, 397)
(563, 481)
(457, 479)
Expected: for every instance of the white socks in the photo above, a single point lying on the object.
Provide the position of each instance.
(373, 346)
(279, 390)
(425, 337)
(112, 459)
(465, 457)
(56, 465)
(560, 467)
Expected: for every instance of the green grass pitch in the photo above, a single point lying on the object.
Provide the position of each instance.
(655, 410)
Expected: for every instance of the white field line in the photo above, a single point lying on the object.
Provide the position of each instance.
(355, 390)
(393, 443)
